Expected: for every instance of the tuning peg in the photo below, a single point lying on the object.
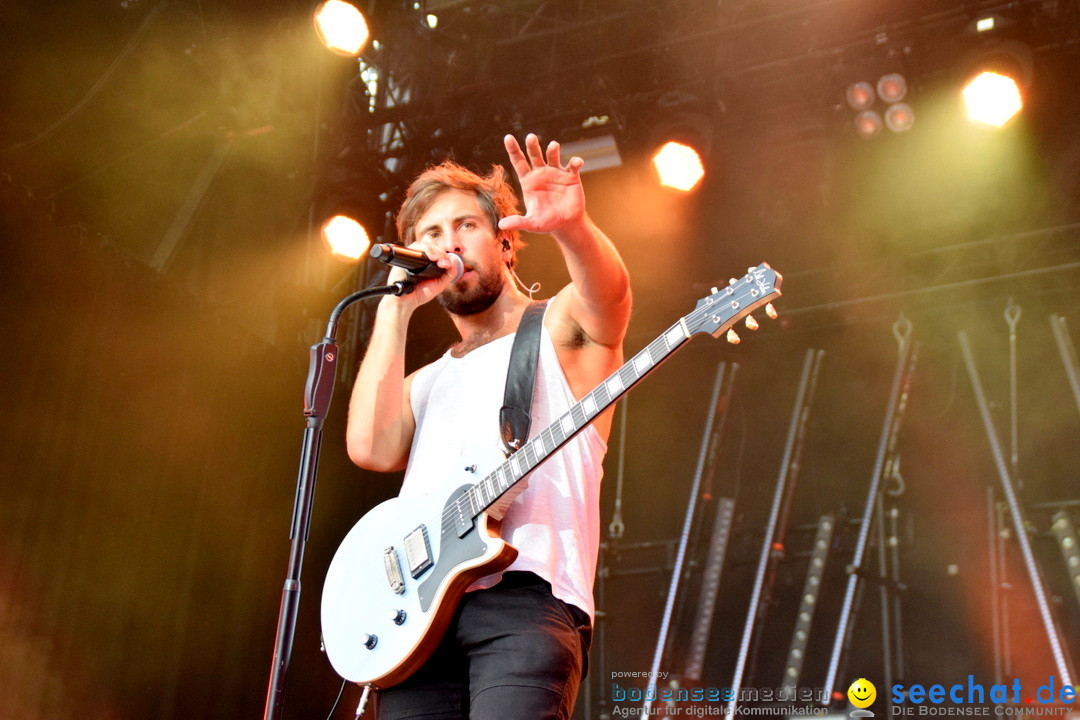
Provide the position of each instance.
(770, 311)
(751, 323)
(713, 290)
(733, 337)
(732, 281)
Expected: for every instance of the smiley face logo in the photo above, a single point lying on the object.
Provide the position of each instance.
(862, 693)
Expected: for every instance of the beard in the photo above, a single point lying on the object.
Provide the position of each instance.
(478, 299)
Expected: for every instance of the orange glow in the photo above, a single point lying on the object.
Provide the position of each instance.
(992, 99)
(346, 238)
(679, 166)
(341, 27)
(867, 124)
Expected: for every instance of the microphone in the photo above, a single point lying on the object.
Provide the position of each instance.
(415, 262)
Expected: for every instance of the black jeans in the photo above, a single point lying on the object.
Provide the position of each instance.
(511, 651)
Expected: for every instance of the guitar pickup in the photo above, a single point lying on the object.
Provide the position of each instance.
(418, 551)
(393, 570)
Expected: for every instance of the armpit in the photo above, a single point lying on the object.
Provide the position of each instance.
(575, 338)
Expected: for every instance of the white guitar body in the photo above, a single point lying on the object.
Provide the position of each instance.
(377, 631)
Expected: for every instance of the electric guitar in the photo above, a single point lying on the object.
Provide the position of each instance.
(395, 581)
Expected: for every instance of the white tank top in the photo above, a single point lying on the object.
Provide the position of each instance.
(555, 522)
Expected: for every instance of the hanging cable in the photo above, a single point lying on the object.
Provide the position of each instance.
(337, 700)
(1012, 317)
(617, 527)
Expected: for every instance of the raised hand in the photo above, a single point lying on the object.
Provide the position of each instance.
(554, 198)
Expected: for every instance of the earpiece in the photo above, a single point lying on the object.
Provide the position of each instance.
(530, 289)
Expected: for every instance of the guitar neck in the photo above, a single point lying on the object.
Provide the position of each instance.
(487, 491)
(712, 315)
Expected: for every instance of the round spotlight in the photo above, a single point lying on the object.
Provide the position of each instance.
(679, 166)
(992, 99)
(341, 27)
(867, 124)
(892, 87)
(346, 238)
(899, 117)
(860, 95)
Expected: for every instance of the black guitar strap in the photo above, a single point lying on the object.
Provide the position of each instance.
(515, 415)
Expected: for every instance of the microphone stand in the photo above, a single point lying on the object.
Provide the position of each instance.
(317, 394)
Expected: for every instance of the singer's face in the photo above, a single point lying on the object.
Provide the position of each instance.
(455, 223)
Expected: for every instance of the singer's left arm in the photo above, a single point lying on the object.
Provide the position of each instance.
(597, 302)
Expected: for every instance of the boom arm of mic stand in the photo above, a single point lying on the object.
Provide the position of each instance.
(318, 392)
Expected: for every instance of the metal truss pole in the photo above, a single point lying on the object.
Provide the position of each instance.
(1017, 514)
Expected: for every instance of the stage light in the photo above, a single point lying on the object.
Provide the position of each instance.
(867, 124)
(892, 88)
(346, 238)
(899, 117)
(996, 74)
(871, 115)
(341, 27)
(985, 24)
(860, 95)
(992, 99)
(679, 166)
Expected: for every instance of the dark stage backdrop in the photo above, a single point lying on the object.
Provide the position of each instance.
(147, 464)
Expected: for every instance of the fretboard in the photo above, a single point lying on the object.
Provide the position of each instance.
(712, 315)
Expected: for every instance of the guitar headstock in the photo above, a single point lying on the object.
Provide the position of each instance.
(723, 308)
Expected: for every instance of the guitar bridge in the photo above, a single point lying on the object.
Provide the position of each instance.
(418, 551)
(393, 570)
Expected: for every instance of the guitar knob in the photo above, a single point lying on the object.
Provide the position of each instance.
(369, 641)
(398, 616)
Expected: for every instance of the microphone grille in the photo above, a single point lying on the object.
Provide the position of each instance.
(459, 266)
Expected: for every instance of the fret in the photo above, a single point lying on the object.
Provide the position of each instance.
(486, 491)
(567, 426)
(674, 336)
(642, 363)
(550, 439)
(657, 350)
(530, 455)
(580, 418)
(589, 404)
(615, 385)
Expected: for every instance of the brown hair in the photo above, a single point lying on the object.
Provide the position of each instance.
(493, 192)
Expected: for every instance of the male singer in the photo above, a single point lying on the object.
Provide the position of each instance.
(517, 645)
